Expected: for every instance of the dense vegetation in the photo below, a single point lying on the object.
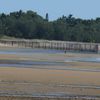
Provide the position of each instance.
(30, 25)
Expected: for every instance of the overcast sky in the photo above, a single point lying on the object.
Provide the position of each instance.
(86, 9)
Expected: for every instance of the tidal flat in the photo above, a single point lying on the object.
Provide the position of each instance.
(48, 73)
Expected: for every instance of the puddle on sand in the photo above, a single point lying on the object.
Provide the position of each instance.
(34, 64)
(84, 59)
(43, 65)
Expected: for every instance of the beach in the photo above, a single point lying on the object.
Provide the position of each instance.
(37, 74)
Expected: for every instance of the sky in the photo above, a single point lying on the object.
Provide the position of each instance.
(85, 9)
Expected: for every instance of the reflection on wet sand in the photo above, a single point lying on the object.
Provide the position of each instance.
(48, 73)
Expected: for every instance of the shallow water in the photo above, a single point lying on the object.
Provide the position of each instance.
(28, 51)
(84, 59)
(30, 63)
(43, 64)
(34, 64)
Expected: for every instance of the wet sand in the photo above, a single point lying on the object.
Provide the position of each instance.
(53, 80)
(40, 81)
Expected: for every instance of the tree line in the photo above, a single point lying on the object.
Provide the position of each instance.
(30, 25)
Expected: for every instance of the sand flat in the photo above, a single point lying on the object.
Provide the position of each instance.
(47, 76)
(50, 80)
(24, 80)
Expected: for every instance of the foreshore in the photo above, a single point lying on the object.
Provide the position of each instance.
(30, 72)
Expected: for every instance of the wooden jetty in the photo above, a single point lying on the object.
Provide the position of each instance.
(46, 44)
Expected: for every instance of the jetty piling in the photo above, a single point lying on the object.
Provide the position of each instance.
(46, 44)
